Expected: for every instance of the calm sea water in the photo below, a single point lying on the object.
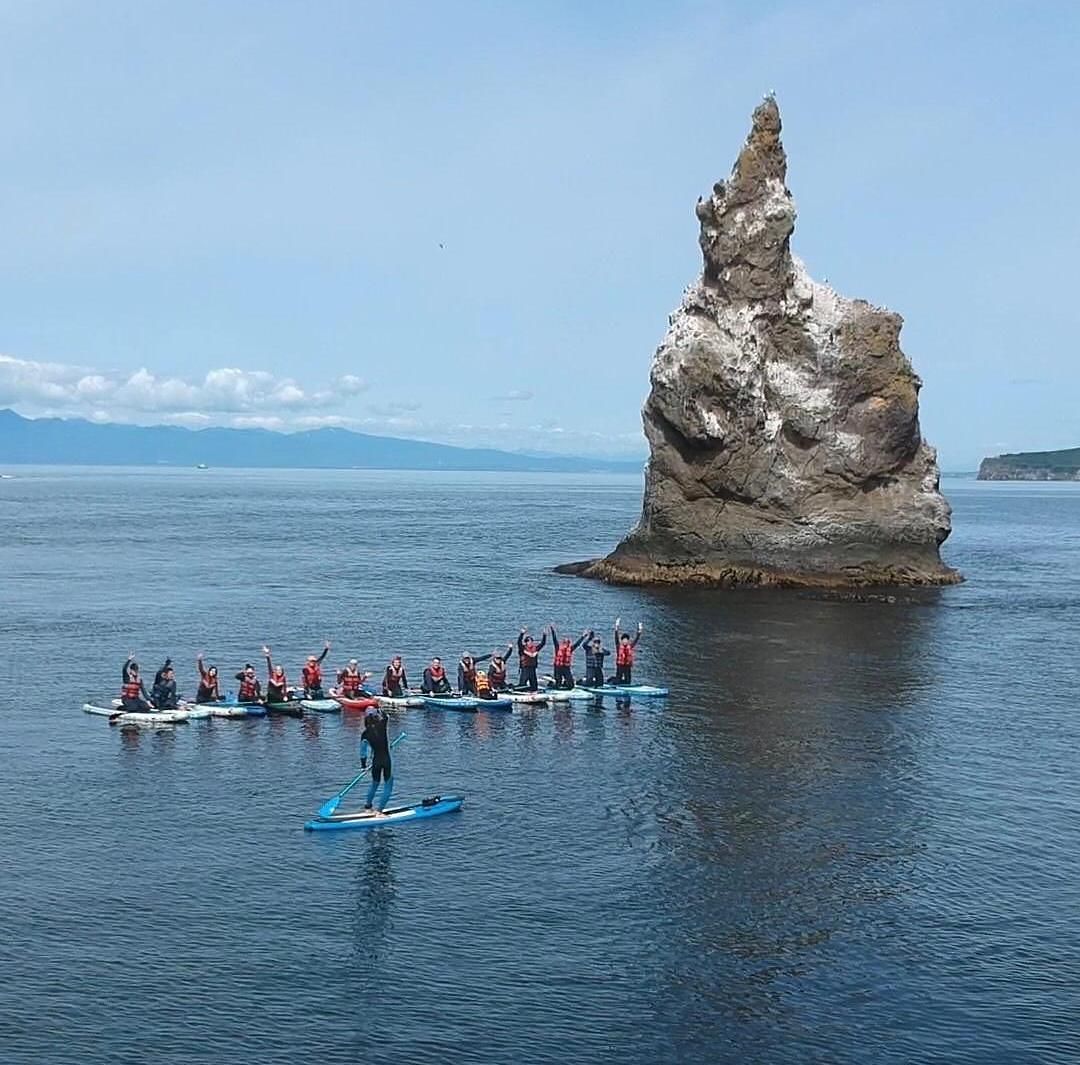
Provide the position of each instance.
(851, 835)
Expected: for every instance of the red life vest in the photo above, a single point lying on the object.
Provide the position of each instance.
(312, 675)
(209, 686)
(132, 689)
(496, 674)
(529, 654)
(350, 682)
(564, 654)
(249, 690)
(437, 672)
(624, 656)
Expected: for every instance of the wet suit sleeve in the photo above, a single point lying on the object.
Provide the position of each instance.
(365, 747)
(269, 667)
(240, 675)
(202, 668)
(637, 636)
(520, 645)
(554, 636)
(325, 652)
(579, 641)
(460, 677)
(480, 658)
(127, 671)
(543, 640)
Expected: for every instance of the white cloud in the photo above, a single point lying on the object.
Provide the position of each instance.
(236, 398)
(515, 395)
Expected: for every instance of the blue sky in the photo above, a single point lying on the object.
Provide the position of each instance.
(469, 221)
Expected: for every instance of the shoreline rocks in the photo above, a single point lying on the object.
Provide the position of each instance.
(782, 421)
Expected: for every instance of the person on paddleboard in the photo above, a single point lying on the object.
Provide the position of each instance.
(466, 672)
(133, 697)
(209, 689)
(250, 690)
(277, 684)
(624, 654)
(163, 693)
(563, 666)
(312, 674)
(496, 672)
(350, 681)
(528, 659)
(595, 653)
(373, 741)
(435, 682)
(395, 684)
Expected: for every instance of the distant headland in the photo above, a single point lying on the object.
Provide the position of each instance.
(76, 442)
(1032, 466)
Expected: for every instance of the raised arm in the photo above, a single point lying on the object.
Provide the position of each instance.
(543, 640)
(477, 659)
(325, 652)
(202, 668)
(554, 634)
(127, 667)
(269, 663)
(580, 640)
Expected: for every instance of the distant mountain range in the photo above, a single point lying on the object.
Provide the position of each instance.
(1033, 466)
(66, 442)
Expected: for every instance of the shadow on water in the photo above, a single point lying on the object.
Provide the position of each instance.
(789, 797)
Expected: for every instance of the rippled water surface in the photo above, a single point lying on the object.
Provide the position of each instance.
(851, 835)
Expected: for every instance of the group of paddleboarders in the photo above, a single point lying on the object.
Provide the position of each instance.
(350, 680)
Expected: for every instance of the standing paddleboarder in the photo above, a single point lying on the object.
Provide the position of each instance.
(528, 659)
(595, 653)
(563, 666)
(624, 653)
(373, 741)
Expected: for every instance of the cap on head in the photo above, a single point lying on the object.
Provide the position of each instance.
(353, 663)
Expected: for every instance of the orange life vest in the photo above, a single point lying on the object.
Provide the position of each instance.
(483, 686)
(350, 682)
(249, 690)
(624, 656)
(437, 672)
(564, 654)
(132, 689)
(312, 675)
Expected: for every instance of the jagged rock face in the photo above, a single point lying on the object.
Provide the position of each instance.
(783, 418)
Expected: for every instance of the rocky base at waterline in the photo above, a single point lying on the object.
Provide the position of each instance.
(782, 420)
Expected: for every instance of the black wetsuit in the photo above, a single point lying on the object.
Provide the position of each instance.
(163, 694)
(374, 735)
(594, 666)
(527, 662)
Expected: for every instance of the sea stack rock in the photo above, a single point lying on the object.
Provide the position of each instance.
(783, 418)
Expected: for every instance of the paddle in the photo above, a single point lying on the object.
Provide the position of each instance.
(327, 809)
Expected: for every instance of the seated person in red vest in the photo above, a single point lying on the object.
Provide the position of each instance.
(277, 684)
(564, 658)
(250, 690)
(395, 684)
(209, 689)
(496, 672)
(624, 654)
(133, 697)
(435, 680)
(350, 681)
(312, 674)
(466, 672)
